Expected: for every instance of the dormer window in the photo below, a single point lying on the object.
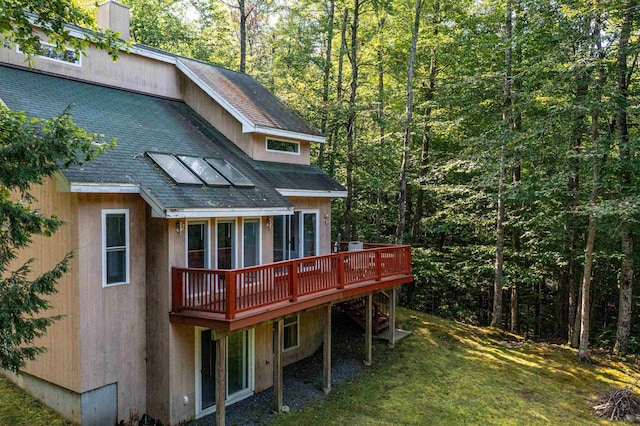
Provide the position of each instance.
(285, 147)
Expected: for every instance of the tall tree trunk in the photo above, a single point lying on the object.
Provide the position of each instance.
(402, 197)
(429, 91)
(381, 122)
(349, 226)
(626, 268)
(339, 92)
(325, 81)
(496, 318)
(243, 35)
(583, 348)
(516, 176)
(573, 223)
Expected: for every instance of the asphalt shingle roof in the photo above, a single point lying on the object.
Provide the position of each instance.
(296, 176)
(250, 98)
(143, 123)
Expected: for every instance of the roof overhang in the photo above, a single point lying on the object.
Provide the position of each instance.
(157, 210)
(247, 125)
(227, 212)
(311, 193)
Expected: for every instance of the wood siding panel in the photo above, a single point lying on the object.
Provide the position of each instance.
(157, 305)
(261, 153)
(61, 363)
(182, 367)
(211, 111)
(251, 143)
(130, 71)
(112, 319)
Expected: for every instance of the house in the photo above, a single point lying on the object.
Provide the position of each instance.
(203, 257)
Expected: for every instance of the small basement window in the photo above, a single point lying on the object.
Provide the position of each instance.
(48, 51)
(291, 332)
(115, 247)
(286, 147)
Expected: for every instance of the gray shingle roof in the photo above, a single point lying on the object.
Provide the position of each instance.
(250, 98)
(140, 123)
(296, 176)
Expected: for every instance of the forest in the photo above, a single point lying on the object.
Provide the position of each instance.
(498, 137)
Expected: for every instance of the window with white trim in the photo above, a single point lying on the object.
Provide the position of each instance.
(286, 147)
(49, 51)
(291, 332)
(115, 247)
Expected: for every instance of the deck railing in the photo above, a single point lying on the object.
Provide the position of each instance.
(234, 291)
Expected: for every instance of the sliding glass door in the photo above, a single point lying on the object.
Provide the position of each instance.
(295, 236)
(239, 369)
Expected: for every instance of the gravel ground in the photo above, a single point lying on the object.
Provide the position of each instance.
(302, 381)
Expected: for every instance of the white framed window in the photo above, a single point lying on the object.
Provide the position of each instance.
(291, 333)
(197, 244)
(115, 247)
(251, 242)
(49, 52)
(225, 244)
(283, 147)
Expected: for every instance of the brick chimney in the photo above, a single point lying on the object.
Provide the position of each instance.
(114, 16)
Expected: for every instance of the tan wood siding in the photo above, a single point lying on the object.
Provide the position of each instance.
(182, 367)
(130, 71)
(251, 143)
(61, 363)
(211, 111)
(261, 153)
(157, 305)
(112, 319)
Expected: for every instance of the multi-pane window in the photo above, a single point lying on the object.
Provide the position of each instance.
(290, 331)
(115, 236)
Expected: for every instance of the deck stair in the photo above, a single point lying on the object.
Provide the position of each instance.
(355, 309)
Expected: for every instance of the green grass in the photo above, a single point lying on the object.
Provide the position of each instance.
(448, 373)
(19, 408)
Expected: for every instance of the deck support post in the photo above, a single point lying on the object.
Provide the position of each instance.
(326, 359)
(392, 316)
(221, 375)
(368, 339)
(277, 365)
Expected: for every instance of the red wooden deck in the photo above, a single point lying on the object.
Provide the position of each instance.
(237, 298)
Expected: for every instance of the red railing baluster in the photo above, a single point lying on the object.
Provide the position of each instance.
(293, 281)
(340, 270)
(230, 278)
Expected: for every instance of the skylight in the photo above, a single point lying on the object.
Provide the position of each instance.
(229, 172)
(204, 170)
(171, 166)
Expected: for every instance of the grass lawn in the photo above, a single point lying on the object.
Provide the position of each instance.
(448, 373)
(19, 408)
